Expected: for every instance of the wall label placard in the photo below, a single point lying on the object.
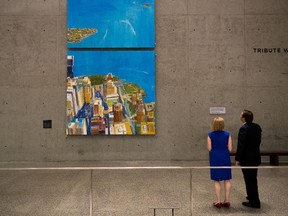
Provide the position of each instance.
(217, 110)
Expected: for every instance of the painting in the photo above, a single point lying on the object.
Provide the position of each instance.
(110, 68)
(111, 24)
(111, 93)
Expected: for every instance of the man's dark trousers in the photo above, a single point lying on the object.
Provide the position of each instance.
(250, 177)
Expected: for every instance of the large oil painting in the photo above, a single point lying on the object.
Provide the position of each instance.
(110, 67)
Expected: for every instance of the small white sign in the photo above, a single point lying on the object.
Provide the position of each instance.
(217, 110)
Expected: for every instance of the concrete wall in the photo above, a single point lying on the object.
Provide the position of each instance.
(205, 58)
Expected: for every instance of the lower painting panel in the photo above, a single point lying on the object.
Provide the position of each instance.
(110, 93)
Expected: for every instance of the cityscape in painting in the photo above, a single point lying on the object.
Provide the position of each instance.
(105, 104)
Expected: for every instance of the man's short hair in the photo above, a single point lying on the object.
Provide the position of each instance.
(248, 116)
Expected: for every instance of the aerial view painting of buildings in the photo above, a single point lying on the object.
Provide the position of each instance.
(110, 67)
(111, 93)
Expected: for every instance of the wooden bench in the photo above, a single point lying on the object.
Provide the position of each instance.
(273, 155)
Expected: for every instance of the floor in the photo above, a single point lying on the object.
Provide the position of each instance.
(131, 189)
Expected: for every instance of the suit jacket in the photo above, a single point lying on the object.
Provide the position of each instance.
(248, 146)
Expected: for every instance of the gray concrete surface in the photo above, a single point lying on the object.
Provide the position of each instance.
(43, 192)
(204, 59)
(143, 189)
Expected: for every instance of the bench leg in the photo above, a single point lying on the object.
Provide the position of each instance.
(274, 160)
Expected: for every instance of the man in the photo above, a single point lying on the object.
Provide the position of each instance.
(248, 154)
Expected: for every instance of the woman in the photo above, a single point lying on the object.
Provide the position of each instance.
(219, 144)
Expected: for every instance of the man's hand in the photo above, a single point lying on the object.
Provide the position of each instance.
(237, 163)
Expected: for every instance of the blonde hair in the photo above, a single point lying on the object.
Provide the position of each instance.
(217, 124)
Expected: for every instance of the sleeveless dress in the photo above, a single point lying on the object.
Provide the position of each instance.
(219, 155)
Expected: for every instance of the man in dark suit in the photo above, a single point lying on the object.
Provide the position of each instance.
(248, 154)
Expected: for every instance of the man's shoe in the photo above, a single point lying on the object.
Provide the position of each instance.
(248, 204)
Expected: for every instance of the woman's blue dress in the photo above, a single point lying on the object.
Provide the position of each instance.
(220, 156)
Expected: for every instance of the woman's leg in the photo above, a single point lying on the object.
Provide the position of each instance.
(217, 188)
(227, 186)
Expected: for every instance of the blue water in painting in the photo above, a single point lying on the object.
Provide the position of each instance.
(120, 23)
(132, 66)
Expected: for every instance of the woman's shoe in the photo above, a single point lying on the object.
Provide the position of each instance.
(226, 204)
(217, 204)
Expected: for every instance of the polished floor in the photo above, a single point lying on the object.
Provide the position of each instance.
(131, 189)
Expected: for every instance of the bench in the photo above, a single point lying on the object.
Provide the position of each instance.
(273, 155)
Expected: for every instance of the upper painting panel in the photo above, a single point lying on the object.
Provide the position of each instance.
(111, 24)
